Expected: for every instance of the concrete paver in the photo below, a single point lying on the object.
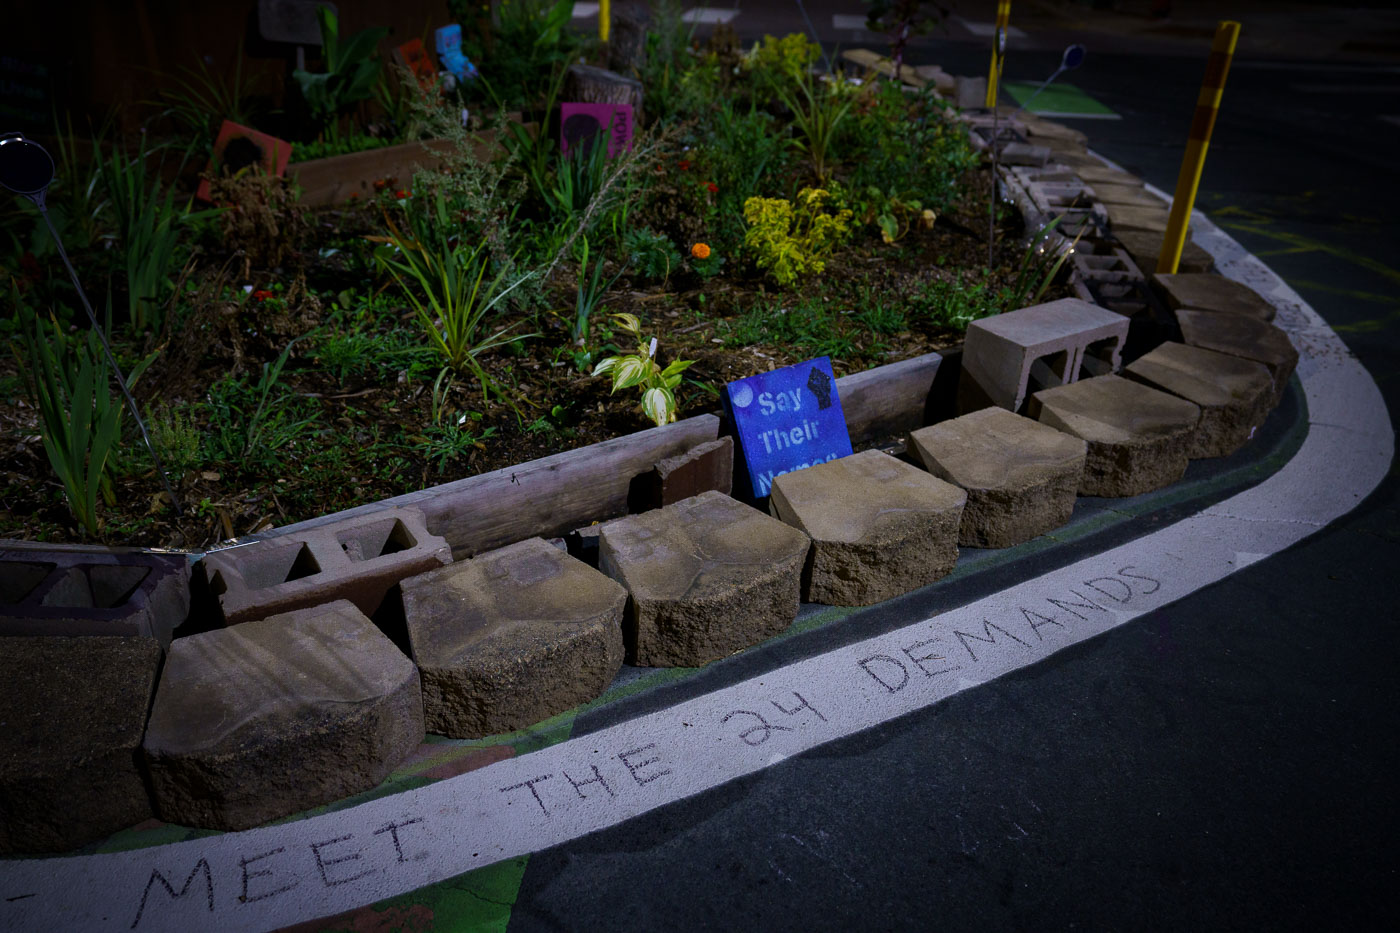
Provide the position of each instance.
(1234, 394)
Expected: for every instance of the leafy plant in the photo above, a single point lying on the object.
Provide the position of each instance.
(1039, 265)
(590, 291)
(794, 240)
(774, 64)
(148, 220)
(250, 425)
(444, 284)
(818, 115)
(81, 418)
(175, 437)
(351, 74)
(449, 442)
(902, 20)
(641, 369)
(578, 179)
(203, 97)
(529, 39)
(651, 255)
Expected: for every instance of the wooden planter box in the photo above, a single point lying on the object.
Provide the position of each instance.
(554, 495)
(334, 179)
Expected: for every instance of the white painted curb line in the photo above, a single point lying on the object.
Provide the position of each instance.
(267, 878)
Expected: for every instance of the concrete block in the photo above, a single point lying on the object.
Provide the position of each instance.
(704, 467)
(1246, 337)
(1009, 356)
(91, 591)
(1201, 292)
(73, 710)
(1137, 436)
(707, 577)
(268, 718)
(512, 637)
(969, 93)
(1234, 394)
(1018, 153)
(358, 559)
(1128, 195)
(879, 527)
(1132, 217)
(1021, 477)
(1096, 173)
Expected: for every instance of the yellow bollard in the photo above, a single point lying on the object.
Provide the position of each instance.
(604, 20)
(1227, 33)
(994, 76)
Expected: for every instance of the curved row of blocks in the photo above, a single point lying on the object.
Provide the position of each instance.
(304, 699)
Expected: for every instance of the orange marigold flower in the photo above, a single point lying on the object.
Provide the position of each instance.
(700, 251)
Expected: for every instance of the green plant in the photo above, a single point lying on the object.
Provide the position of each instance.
(641, 369)
(590, 291)
(902, 20)
(774, 63)
(449, 442)
(148, 222)
(791, 240)
(578, 179)
(528, 40)
(175, 437)
(250, 425)
(81, 419)
(351, 71)
(202, 97)
(443, 283)
(1039, 265)
(651, 255)
(818, 116)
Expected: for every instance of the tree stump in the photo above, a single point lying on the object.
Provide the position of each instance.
(588, 85)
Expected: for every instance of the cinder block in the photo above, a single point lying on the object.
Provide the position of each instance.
(358, 559)
(97, 591)
(1009, 356)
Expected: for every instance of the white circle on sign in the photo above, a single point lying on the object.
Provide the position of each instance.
(743, 397)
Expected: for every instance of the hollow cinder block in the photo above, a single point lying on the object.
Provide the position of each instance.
(358, 559)
(92, 591)
(1009, 356)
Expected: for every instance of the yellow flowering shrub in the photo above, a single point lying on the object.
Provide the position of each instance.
(789, 239)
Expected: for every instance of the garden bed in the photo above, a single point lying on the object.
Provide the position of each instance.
(292, 377)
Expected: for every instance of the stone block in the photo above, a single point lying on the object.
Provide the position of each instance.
(512, 637)
(969, 93)
(1134, 217)
(704, 467)
(1129, 195)
(1021, 477)
(1202, 292)
(91, 591)
(73, 710)
(1234, 394)
(707, 577)
(358, 559)
(879, 527)
(271, 717)
(1145, 247)
(1018, 153)
(1137, 435)
(1009, 356)
(1246, 337)
(1096, 173)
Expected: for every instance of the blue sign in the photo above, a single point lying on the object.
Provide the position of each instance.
(449, 49)
(788, 419)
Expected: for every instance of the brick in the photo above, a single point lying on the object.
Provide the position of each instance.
(1136, 435)
(92, 591)
(272, 717)
(1021, 477)
(1201, 292)
(1234, 394)
(1246, 337)
(73, 711)
(707, 577)
(705, 467)
(512, 637)
(358, 559)
(1008, 356)
(879, 527)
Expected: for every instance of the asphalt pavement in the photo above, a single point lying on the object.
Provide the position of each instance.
(1226, 762)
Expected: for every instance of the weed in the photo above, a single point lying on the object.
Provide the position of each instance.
(176, 438)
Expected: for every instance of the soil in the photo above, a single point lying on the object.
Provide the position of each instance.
(354, 452)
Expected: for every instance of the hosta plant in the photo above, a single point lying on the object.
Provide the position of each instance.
(641, 369)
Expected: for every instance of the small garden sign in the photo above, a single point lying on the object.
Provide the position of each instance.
(788, 419)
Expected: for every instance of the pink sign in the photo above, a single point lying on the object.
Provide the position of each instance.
(580, 122)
